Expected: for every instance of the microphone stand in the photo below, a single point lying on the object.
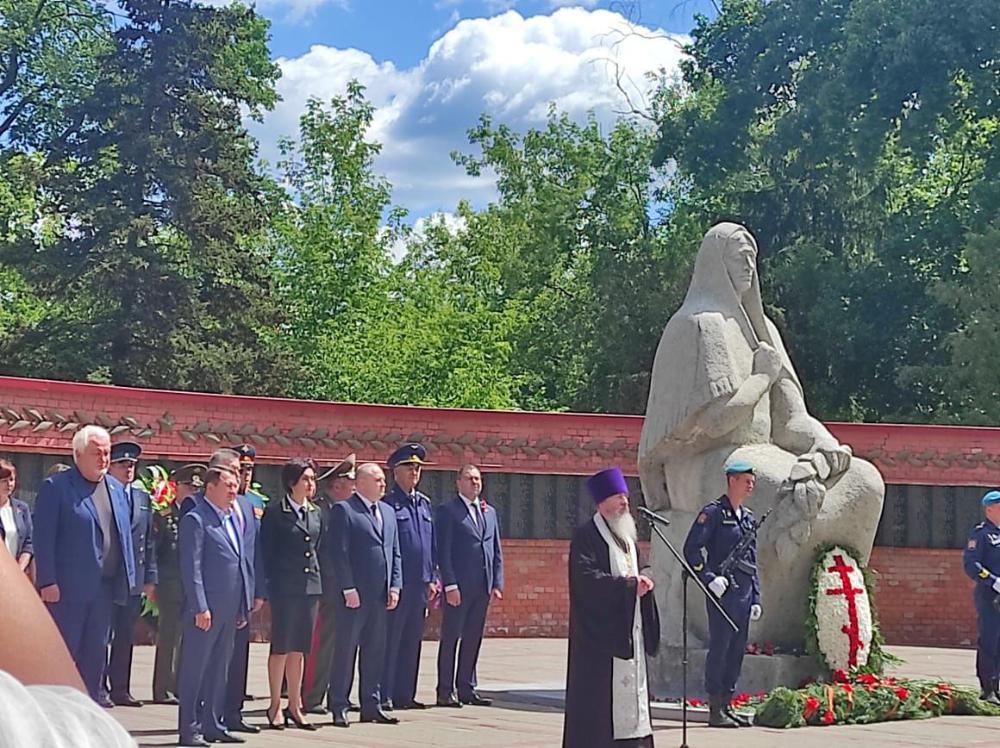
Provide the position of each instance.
(655, 519)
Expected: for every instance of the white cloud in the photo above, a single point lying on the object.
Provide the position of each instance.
(507, 65)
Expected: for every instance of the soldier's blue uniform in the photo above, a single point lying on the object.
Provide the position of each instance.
(981, 560)
(715, 532)
(415, 522)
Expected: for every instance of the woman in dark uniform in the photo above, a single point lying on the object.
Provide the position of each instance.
(289, 536)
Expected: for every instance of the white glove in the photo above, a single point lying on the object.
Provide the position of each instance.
(719, 585)
(755, 612)
(996, 585)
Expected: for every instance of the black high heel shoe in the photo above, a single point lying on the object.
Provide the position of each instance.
(270, 720)
(289, 717)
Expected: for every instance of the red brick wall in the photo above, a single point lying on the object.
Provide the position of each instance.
(40, 415)
(924, 597)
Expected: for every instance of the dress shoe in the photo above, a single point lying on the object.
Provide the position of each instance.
(413, 705)
(194, 741)
(124, 699)
(272, 722)
(238, 725)
(387, 705)
(169, 699)
(318, 709)
(225, 737)
(474, 699)
(449, 701)
(340, 718)
(104, 700)
(379, 717)
(301, 724)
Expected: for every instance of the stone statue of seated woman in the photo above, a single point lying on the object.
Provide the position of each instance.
(723, 388)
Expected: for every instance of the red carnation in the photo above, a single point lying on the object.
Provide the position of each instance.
(827, 718)
(811, 707)
(902, 693)
(840, 676)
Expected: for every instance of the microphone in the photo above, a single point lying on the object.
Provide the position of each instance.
(652, 516)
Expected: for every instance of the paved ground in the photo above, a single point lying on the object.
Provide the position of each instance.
(539, 665)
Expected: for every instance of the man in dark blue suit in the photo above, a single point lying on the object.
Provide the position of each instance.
(216, 575)
(471, 562)
(83, 551)
(364, 554)
(124, 457)
(415, 520)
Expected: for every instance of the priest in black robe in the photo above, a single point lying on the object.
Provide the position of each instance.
(613, 625)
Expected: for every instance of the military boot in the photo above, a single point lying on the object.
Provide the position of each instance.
(993, 697)
(717, 717)
(739, 719)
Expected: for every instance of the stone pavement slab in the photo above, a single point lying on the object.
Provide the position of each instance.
(510, 668)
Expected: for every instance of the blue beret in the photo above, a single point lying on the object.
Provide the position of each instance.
(993, 497)
(408, 454)
(125, 451)
(739, 466)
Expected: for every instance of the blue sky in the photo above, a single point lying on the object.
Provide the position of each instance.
(433, 66)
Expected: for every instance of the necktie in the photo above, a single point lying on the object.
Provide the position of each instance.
(227, 522)
(478, 515)
(377, 516)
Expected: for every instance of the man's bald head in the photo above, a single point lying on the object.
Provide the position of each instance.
(370, 481)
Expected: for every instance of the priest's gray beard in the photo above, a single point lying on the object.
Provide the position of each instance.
(623, 526)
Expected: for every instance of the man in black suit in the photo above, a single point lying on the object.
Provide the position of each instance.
(124, 456)
(217, 577)
(471, 564)
(365, 557)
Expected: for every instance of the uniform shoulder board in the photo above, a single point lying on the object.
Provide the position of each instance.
(980, 526)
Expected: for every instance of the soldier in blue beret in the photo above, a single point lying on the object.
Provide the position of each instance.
(716, 531)
(124, 456)
(981, 560)
(415, 520)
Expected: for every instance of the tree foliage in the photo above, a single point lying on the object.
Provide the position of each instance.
(855, 137)
(149, 194)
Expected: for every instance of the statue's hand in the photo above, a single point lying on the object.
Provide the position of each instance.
(766, 361)
(838, 456)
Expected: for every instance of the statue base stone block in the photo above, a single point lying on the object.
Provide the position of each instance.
(759, 673)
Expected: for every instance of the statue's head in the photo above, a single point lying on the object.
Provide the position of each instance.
(739, 254)
(726, 265)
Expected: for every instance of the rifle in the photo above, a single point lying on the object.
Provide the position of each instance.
(735, 556)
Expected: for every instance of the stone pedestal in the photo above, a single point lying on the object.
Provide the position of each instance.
(760, 673)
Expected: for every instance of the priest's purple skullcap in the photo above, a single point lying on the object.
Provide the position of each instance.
(606, 483)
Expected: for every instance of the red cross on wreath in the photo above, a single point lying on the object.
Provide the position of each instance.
(850, 593)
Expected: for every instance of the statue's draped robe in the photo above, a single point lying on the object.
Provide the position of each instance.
(705, 354)
(611, 629)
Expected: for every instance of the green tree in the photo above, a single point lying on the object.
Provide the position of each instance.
(582, 255)
(150, 280)
(854, 138)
